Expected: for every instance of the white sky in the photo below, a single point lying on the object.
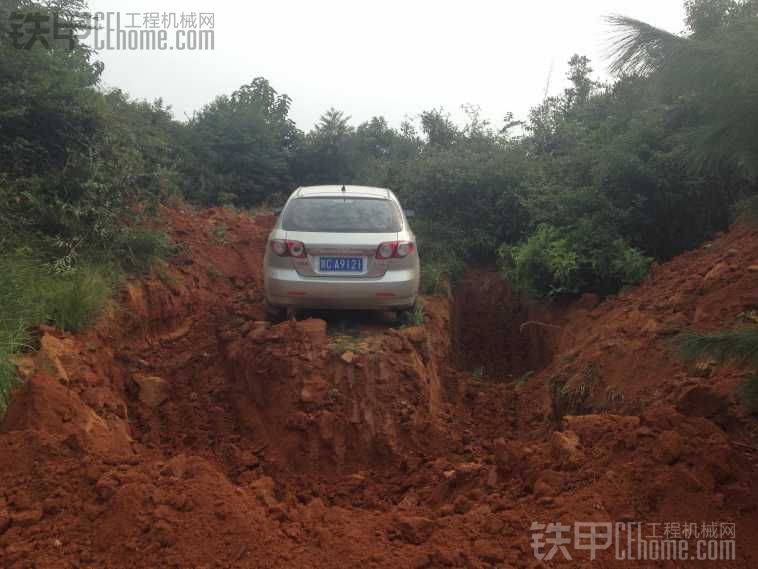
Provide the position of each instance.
(386, 57)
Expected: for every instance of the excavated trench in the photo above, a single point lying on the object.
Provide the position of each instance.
(186, 431)
(498, 333)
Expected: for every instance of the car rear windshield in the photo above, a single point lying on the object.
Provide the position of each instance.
(342, 215)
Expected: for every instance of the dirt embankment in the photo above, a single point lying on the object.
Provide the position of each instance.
(185, 431)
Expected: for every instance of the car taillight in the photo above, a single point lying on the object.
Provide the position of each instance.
(404, 248)
(386, 250)
(397, 249)
(296, 249)
(287, 248)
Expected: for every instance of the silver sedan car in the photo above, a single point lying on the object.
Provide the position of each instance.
(346, 247)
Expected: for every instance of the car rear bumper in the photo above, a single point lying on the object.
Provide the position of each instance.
(395, 290)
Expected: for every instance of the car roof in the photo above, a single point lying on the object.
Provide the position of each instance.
(336, 190)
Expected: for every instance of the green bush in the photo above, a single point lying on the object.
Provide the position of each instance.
(442, 254)
(572, 260)
(747, 210)
(136, 249)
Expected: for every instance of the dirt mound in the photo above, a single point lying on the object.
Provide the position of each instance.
(185, 431)
(618, 355)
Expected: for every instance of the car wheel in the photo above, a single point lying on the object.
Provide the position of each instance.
(403, 316)
(274, 314)
(292, 313)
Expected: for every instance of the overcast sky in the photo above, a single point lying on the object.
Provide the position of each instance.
(388, 57)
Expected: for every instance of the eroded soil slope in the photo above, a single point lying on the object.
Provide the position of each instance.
(185, 431)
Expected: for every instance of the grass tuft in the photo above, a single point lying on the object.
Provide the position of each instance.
(69, 295)
(414, 317)
(739, 347)
(75, 301)
(12, 342)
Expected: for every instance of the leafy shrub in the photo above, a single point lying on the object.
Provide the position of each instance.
(747, 210)
(435, 277)
(583, 258)
(218, 233)
(136, 249)
(442, 252)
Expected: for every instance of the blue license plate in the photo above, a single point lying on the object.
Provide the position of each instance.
(340, 264)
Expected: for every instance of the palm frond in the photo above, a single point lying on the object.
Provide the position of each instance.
(639, 48)
(717, 76)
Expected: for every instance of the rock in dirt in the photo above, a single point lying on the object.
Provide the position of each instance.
(672, 324)
(53, 352)
(26, 518)
(713, 276)
(416, 334)
(314, 389)
(278, 513)
(153, 390)
(507, 456)
(669, 447)
(176, 466)
(415, 529)
(702, 401)
(164, 533)
(593, 428)
(264, 490)
(106, 486)
(488, 552)
(248, 459)
(462, 504)
(314, 329)
(5, 521)
(588, 301)
(566, 448)
(348, 357)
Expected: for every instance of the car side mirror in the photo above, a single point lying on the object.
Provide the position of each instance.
(278, 211)
(409, 213)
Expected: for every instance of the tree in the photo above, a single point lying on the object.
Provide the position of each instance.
(326, 156)
(239, 148)
(704, 18)
(438, 128)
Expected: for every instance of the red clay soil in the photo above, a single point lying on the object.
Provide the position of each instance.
(185, 431)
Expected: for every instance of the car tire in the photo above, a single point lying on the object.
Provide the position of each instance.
(291, 313)
(274, 314)
(401, 315)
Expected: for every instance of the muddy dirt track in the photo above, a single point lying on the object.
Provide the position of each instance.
(185, 431)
